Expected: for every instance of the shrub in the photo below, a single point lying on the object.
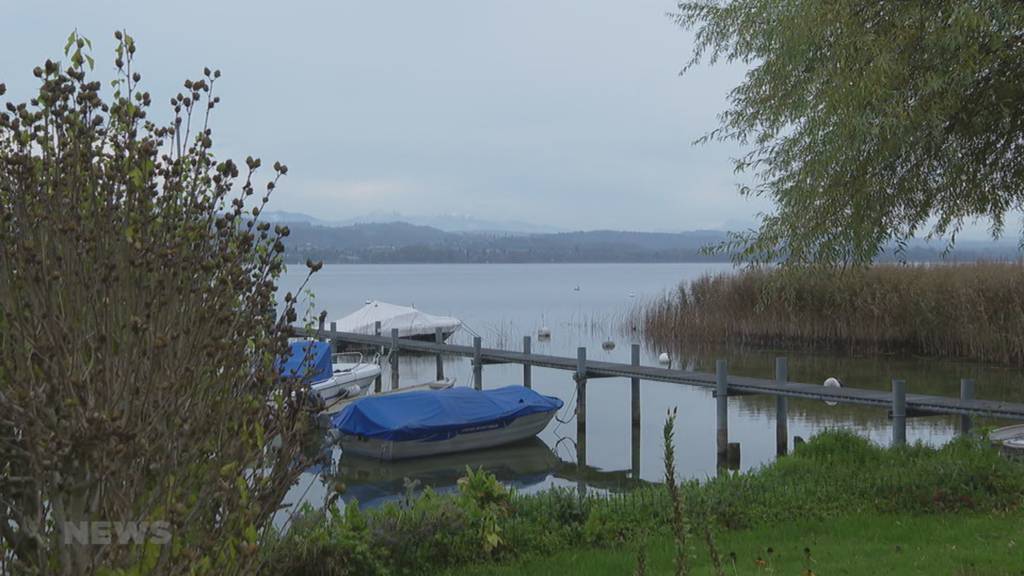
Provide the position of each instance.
(836, 473)
(138, 331)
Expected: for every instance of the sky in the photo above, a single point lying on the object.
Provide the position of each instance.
(569, 114)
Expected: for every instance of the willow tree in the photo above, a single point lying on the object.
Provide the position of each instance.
(869, 122)
(138, 331)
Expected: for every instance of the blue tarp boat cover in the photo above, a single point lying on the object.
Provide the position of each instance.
(439, 414)
(307, 359)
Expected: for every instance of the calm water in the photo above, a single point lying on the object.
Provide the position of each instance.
(502, 303)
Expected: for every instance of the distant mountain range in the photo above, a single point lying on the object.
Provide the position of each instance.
(396, 242)
(445, 222)
(404, 242)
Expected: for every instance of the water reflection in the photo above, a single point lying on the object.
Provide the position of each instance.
(527, 466)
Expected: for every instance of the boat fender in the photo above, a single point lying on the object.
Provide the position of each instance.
(831, 382)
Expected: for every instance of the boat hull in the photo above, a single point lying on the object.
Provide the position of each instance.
(516, 430)
(1010, 439)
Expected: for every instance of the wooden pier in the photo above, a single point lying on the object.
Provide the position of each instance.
(899, 404)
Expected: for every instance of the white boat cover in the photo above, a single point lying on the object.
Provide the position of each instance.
(409, 321)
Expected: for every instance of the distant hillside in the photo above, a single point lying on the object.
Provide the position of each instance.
(401, 242)
(446, 222)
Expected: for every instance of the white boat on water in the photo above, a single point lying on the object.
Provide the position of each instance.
(333, 407)
(330, 377)
(410, 322)
(1009, 438)
(350, 377)
(429, 423)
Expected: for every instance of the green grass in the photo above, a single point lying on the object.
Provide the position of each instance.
(957, 544)
(848, 500)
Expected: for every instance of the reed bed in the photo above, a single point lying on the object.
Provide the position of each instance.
(967, 311)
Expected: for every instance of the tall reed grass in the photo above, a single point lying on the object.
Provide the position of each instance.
(969, 311)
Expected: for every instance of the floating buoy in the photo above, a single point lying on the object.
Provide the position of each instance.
(664, 358)
(632, 294)
(608, 345)
(832, 383)
(544, 333)
(577, 288)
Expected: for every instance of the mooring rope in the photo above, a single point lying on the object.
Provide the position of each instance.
(568, 406)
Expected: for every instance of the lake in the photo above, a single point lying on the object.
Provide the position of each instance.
(587, 305)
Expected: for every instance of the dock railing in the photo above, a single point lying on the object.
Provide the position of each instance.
(900, 404)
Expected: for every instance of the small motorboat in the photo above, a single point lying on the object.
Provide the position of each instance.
(429, 423)
(1010, 439)
(330, 377)
(323, 419)
(410, 322)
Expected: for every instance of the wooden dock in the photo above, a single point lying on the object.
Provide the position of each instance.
(897, 401)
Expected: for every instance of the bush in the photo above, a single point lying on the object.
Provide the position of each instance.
(834, 474)
(138, 331)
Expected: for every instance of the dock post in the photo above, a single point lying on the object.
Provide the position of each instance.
(438, 360)
(722, 403)
(781, 408)
(899, 412)
(380, 356)
(320, 329)
(634, 385)
(634, 399)
(581, 410)
(394, 358)
(734, 456)
(581, 385)
(966, 393)
(478, 367)
(334, 343)
(527, 370)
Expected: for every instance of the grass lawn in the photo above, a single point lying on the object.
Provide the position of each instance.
(958, 544)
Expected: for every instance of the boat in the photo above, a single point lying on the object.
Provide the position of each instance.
(430, 423)
(330, 377)
(410, 322)
(1010, 439)
(323, 419)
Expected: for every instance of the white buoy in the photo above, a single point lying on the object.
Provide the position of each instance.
(577, 288)
(664, 358)
(608, 345)
(544, 332)
(832, 383)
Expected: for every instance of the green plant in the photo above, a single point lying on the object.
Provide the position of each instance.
(679, 523)
(836, 475)
(868, 122)
(138, 330)
(336, 544)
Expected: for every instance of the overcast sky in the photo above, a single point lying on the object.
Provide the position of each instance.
(565, 113)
